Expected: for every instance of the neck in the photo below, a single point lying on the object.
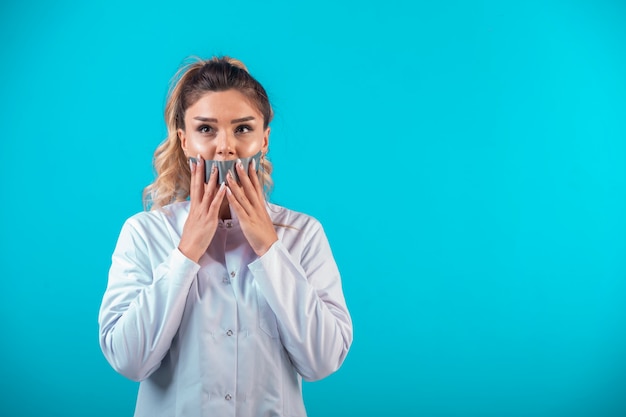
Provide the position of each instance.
(224, 210)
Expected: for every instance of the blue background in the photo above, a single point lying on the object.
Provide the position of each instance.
(467, 159)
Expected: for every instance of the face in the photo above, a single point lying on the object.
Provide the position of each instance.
(223, 126)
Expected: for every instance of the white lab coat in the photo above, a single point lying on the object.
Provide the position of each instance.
(231, 335)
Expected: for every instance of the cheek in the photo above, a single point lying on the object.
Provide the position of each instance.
(200, 146)
(250, 147)
(247, 147)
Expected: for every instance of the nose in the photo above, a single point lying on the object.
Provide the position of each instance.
(225, 146)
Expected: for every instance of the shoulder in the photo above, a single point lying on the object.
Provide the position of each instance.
(301, 234)
(159, 219)
(292, 219)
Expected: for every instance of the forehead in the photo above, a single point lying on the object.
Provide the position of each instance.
(223, 103)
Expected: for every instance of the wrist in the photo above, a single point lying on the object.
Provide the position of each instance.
(265, 248)
(189, 252)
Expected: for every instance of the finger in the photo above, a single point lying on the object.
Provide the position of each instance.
(254, 178)
(197, 181)
(210, 188)
(246, 184)
(234, 204)
(238, 193)
(216, 203)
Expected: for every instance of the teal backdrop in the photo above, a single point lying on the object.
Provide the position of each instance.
(466, 158)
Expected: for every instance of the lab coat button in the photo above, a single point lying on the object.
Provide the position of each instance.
(232, 274)
(229, 333)
(226, 280)
(228, 397)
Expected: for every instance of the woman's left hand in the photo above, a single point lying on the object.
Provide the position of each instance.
(248, 202)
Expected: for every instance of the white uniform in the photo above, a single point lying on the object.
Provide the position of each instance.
(231, 335)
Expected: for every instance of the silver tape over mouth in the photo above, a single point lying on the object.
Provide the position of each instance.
(223, 167)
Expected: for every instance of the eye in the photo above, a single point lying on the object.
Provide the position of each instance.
(243, 129)
(205, 129)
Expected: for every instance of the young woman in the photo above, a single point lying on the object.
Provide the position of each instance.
(218, 301)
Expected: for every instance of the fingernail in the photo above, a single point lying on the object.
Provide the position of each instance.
(213, 169)
(192, 166)
(239, 164)
(200, 159)
(253, 164)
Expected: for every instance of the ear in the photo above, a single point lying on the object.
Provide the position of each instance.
(266, 141)
(183, 140)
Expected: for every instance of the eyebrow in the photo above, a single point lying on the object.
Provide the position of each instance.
(205, 119)
(243, 119)
(212, 120)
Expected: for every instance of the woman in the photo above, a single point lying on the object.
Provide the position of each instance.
(218, 301)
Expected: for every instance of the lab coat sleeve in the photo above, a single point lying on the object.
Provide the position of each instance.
(143, 303)
(307, 299)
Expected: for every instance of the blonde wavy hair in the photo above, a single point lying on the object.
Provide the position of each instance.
(191, 81)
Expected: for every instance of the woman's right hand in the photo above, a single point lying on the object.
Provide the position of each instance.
(202, 221)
